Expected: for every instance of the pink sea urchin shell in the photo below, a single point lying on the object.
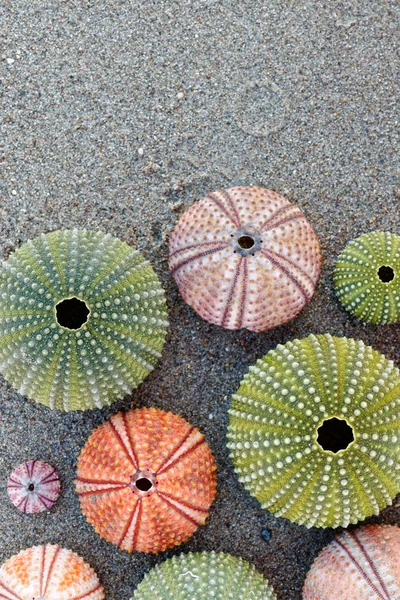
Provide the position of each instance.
(363, 564)
(245, 257)
(33, 486)
(48, 573)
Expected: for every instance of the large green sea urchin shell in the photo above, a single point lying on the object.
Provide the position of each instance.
(83, 319)
(204, 576)
(314, 431)
(367, 277)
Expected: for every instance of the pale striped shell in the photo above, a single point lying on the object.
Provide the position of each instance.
(363, 564)
(48, 573)
(33, 486)
(245, 257)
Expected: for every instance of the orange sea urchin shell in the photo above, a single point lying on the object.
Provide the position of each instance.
(48, 573)
(146, 479)
(363, 564)
(245, 257)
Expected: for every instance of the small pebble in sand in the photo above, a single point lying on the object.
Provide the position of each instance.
(265, 534)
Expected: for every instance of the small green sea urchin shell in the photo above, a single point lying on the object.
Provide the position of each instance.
(314, 431)
(204, 576)
(367, 277)
(83, 319)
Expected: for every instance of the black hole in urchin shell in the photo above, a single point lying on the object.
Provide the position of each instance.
(72, 313)
(386, 274)
(335, 434)
(31, 487)
(143, 484)
(246, 242)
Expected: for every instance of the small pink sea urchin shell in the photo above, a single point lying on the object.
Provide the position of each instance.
(245, 257)
(363, 564)
(48, 573)
(146, 479)
(33, 486)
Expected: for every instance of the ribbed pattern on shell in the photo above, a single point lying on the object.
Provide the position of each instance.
(204, 576)
(259, 287)
(107, 356)
(33, 486)
(363, 564)
(358, 285)
(274, 420)
(48, 573)
(163, 449)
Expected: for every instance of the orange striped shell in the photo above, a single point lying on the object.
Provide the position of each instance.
(146, 479)
(48, 573)
(245, 257)
(362, 564)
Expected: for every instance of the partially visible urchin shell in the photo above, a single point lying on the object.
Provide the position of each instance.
(33, 486)
(146, 479)
(245, 257)
(112, 352)
(363, 564)
(204, 576)
(367, 277)
(49, 573)
(320, 384)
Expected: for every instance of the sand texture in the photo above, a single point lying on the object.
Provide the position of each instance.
(117, 115)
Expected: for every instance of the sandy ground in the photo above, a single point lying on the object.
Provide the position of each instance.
(116, 115)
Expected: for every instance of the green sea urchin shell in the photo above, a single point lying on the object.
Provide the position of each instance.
(314, 431)
(112, 312)
(204, 576)
(367, 277)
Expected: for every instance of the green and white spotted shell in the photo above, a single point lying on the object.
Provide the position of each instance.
(367, 277)
(314, 431)
(115, 344)
(204, 576)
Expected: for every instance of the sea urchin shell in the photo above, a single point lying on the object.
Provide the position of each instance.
(245, 257)
(146, 479)
(33, 486)
(82, 319)
(367, 277)
(48, 573)
(363, 564)
(315, 429)
(204, 576)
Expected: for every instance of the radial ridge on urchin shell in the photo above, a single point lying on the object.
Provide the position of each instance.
(33, 486)
(204, 576)
(83, 319)
(245, 257)
(314, 431)
(48, 573)
(367, 277)
(362, 564)
(146, 480)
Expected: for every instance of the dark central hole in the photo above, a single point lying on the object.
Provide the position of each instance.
(246, 242)
(143, 484)
(386, 274)
(72, 313)
(335, 434)
(31, 487)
